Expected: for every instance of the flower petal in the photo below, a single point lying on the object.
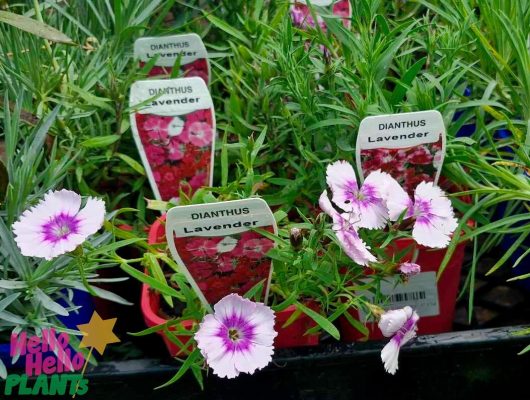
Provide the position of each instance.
(440, 204)
(397, 200)
(389, 356)
(62, 201)
(354, 247)
(433, 231)
(393, 320)
(409, 269)
(340, 177)
(326, 206)
(91, 217)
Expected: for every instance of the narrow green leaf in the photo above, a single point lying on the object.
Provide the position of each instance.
(153, 283)
(183, 369)
(49, 304)
(34, 27)
(228, 29)
(100, 141)
(320, 320)
(8, 300)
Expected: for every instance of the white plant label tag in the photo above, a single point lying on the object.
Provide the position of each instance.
(189, 48)
(173, 125)
(420, 293)
(409, 146)
(218, 248)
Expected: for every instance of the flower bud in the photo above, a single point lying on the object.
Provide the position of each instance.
(296, 238)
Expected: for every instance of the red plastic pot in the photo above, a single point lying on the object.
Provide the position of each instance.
(292, 335)
(429, 260)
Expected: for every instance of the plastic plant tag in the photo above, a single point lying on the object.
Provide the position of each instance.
(302, 17)
(173, 125)
(219, 249)
(420, 293)
(409, 146)
(188, 51)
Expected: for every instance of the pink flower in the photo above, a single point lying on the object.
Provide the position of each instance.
(155, 154)
(420, 156)
(253, 248)
(201, 270)
(199, 133)
(58, 224)
(401, 325)
(342, 9)
(156, 127)
(200, 247)
(409, 269)
(431, 210)
(365, 203)
(347, 235)
(175, 150)
(198, 181)
(387, 160)
(238, 337)
(226, 263)
(200, 116)
(298, 15)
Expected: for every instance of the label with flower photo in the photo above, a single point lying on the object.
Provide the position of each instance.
(173, 125)
(302, 17)
(189, 49)
(420, 293)
(220, 248)
(409, 146)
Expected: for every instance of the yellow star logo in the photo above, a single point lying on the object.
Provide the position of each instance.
(98, 333)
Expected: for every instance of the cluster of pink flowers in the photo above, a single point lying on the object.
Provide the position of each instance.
(302, 18)
(227, 264)
(178, 150)
(197, 68)
(372, 205)
(379, 200)
(409, 166)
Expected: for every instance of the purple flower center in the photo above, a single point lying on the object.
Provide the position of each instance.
(422, 210)
(60, 227)
(237, 333)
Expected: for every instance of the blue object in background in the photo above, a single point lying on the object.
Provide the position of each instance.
(508, 240)
(81, 299)
(80, 316)
(468, 129)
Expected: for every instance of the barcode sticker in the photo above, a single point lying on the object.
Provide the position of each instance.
(420, 293)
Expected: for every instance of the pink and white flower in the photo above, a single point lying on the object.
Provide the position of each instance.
(431, 209)
(349, 239)
(366, 202)
(58, 224)
(238, 337)
(401, 325)
(175, 150)
(200, 247)
(254, 248)
(156, 127)
(200, 133)
(409, 269)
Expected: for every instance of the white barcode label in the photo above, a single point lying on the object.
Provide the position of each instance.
(420, 293)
